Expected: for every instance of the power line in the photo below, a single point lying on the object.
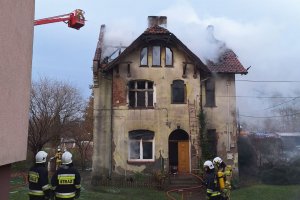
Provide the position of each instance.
(258, 81)
(281, 103)
(262, 97)
(275, 116)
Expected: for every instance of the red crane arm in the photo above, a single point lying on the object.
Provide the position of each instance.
(52, 20)
(74, 19)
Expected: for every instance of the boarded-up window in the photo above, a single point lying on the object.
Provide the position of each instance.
(140, 94)
(156, 56)
(212, 141)
(169, 57)
(141, 145)
(178, 91)
(144, 56)
(210, 93)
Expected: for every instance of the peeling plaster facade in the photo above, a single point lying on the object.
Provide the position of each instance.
(172, 127)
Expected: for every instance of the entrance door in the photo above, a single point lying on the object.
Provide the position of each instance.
(183, 157)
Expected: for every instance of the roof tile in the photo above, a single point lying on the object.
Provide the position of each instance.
(228, 63)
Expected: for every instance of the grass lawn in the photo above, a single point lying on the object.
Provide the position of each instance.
(103, 194)
(267, 192)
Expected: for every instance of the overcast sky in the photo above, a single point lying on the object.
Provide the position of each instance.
(263, 33)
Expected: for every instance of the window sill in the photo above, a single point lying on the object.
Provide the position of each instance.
(141, 108)
(139, 162)
(169, 66)
(157, 66)
(144, 65)
(210, 106)
(178, 103)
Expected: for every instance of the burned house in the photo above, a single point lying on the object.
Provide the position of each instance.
(147, 101)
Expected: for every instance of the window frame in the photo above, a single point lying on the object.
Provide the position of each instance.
(210, 93)
(172, 92)
(136, 91)
(155, 65)
(141, 140)
(172, 57)
(147, 56)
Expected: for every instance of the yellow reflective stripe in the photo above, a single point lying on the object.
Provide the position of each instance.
(66, 179)
(65, 195)
(33, 177)
(77, 186)
(215, 194)
(36, 192)
(53, 187)
(46, 187)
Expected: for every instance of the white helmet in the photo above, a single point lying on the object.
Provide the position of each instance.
(217, 160)
(66, 158)
(41, 157)
(208, 164)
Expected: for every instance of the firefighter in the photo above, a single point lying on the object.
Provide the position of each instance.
(39, 188)
(58, 158)
(224, 172)
(210, 181)
(66, 180)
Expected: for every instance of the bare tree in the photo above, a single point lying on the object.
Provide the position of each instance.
(83, 134)
(54, 105)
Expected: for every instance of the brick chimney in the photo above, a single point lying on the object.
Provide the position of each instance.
(157, 21)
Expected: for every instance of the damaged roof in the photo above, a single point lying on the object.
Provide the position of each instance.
(227, 63)
(154, 34)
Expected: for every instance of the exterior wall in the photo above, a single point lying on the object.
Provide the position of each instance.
(16, 38)
(162, 119)
(102, 128)
(223, 118)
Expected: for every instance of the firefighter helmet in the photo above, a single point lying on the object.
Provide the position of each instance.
(66, 158)
(208, 164)
(217, 160)
(41, 157)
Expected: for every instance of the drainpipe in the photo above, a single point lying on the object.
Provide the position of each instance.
(228, 115)
(111, 128)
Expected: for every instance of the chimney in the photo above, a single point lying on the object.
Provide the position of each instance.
(157, 21)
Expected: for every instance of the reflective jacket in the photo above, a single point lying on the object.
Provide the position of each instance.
(38, 181)
(66, 182)
(212, 189)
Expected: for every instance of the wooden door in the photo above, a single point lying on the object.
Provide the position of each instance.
(183, 157)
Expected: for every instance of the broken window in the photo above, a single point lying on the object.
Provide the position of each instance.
(141, 145)
(140, 94)
(210, 92)
(169, 57)
(156, 56)
(178, 91)
(144, 56)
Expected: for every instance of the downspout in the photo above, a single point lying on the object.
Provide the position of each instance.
(111, 127)
(228, 115)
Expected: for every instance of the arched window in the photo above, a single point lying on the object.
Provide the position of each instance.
(140, 94)
(169, 57)
(178, 92)
(141, 145)
(144, 56)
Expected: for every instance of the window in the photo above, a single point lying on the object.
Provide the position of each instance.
(140, 94)
(210, 92)
(178, 91)
(141, 145)
(169, 57)
(212, 141)
(156, 56)
(144, 56)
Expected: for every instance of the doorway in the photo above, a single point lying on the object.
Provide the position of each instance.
(179, 154)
